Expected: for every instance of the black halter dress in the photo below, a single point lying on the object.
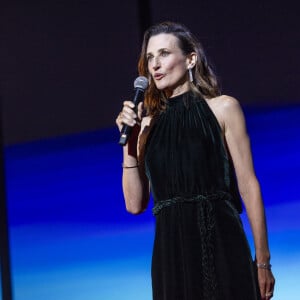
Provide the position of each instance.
(200, 250)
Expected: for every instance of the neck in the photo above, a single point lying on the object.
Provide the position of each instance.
(178, 90)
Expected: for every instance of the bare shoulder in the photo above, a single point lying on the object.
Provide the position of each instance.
(225, 108)
(223, 103)
(145, 125)
(145, 122)
(144, 131)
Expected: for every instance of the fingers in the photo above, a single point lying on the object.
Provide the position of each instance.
(268, 295)
(128, 115)
(266, 283)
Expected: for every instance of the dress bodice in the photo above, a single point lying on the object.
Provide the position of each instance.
(185, 154)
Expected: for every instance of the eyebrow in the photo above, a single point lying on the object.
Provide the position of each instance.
(159, 50)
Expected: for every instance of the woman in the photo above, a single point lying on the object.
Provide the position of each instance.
(189, 148)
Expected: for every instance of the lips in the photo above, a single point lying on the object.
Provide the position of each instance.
(158, 76)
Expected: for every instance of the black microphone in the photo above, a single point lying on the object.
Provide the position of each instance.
(140, 85)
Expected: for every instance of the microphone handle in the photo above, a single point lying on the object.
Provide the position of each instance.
(126, 129)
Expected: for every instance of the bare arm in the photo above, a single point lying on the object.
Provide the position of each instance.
(238, 143)
(134, 181)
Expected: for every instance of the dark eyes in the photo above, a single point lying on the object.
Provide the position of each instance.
(149, 57)
(163, 53)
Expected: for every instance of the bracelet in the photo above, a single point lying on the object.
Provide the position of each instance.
(265, 266)
(129, 167)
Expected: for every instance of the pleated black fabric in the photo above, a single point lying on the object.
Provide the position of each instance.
(200, 249)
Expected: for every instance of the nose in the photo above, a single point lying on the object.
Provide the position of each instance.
(155, 63)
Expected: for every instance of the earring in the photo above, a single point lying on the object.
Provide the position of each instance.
(191, 75)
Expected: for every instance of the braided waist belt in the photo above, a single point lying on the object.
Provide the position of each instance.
(219, 195)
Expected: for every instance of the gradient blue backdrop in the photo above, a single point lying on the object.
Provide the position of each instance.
(71, 237)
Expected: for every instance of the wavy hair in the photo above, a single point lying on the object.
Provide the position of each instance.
(205, 81)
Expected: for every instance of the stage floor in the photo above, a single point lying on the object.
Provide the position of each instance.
(71, 237)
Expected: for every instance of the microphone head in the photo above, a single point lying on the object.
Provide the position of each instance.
(141, 82)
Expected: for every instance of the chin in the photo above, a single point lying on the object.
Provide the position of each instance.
(160, 86)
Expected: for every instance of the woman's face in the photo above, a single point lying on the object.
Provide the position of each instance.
(167, 64)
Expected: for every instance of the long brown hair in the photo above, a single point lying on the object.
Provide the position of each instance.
(205, 82)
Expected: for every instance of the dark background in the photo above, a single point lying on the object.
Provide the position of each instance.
(66, 66)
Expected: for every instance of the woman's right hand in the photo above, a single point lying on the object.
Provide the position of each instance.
(128, 116)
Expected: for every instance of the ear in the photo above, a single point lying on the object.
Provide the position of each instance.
(191, 60)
